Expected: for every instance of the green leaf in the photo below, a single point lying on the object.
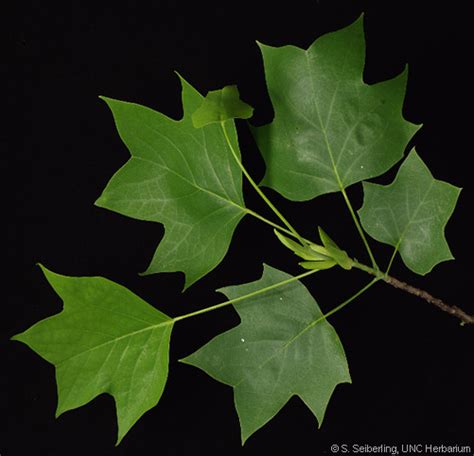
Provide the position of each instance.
(275, 353)
(106, 340)
(330, 129)
(410, 214)
(318, 265)
(221, 105)
(183, 177)
(303, 252)
(340, 256)
(326, 240)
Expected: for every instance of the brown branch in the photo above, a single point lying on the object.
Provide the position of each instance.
(455, 311)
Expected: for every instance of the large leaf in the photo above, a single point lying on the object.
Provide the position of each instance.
(330, 128)
(183, 177)
(275, 353)
(410, 214)
(106, 340)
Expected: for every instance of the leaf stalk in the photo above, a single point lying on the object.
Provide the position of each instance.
(359, 228)
(257, 188)
(241, 298)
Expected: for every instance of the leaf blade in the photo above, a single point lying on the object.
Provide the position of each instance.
(105, 340)
(221, 105)
(410, 214)
(275, 349)
(182, 177)
(330, 129)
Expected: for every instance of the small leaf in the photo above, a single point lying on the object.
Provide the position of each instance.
(221, 105)
(280, 349)
(330, 129)
(317, 265)
(319, 249)
(303, 252)
(410, 214)
(326, 240)
(106, 340)
(340, 256)
(182, 177)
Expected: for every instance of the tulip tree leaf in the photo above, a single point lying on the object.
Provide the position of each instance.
(183, 177)
(275, 353)
(410, 214)
(221, 105)
(330, 129)
(106, 340)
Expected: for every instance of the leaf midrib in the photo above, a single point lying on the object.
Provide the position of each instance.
(185, 160)
(193, 184)
(323, 127)
(279, 350)
(410, 221)
(116, 339)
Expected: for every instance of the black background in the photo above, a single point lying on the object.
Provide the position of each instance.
(412, 365)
